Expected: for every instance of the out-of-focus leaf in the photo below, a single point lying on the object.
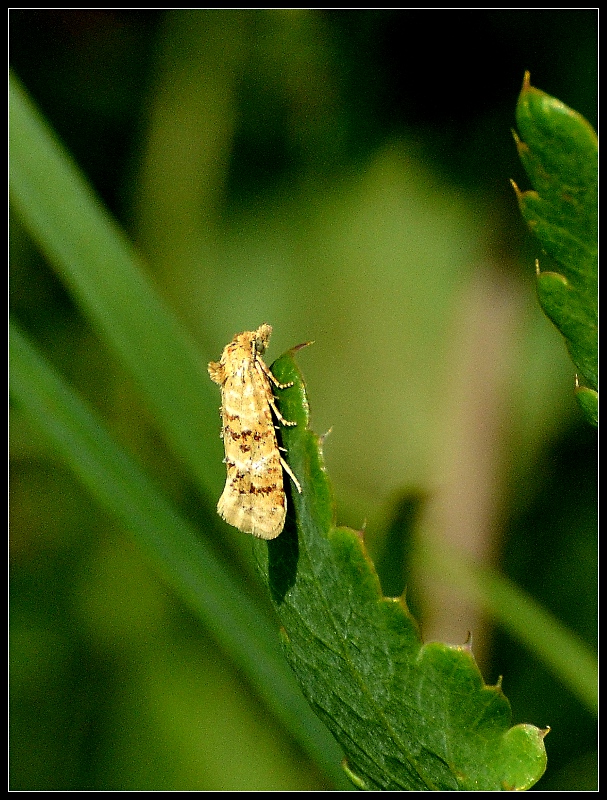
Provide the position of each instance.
(558, 149)
(108, 280)
(178, 553)
(410, 716)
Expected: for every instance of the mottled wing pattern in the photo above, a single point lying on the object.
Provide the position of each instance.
(253, 499)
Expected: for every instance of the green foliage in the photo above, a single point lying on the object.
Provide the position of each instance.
(112, 289)
(559, 152)
(101, 268)
(89, 250)
(171, 544)
(410, 716)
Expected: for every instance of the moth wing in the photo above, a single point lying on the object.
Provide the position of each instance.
(253, 499)
(249, 516)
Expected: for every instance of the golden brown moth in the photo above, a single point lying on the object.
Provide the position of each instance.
(253, 499)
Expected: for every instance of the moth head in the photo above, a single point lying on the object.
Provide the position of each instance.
(262, 337)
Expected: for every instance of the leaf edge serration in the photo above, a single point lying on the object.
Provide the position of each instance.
(333, 577)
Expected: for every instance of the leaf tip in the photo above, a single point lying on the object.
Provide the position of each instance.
(322, 437)
(521, 148)
(527, 88)
(517, 191)
(356, 779)
(588, 400)
(361, 533)
(301, 346)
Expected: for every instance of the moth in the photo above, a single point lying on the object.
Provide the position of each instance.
(253, 499)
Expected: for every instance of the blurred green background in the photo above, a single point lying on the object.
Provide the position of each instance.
(343, 175)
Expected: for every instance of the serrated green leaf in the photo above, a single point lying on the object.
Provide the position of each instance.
(409, 716)
(559, 152)
(566, 306)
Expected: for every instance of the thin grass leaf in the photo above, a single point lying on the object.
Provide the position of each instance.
(106, 277)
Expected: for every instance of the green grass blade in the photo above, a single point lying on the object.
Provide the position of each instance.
(179, 554)
(106, 277)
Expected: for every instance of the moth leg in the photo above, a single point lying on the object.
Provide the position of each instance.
(288, 470)
(267, 371)
(271, 400)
